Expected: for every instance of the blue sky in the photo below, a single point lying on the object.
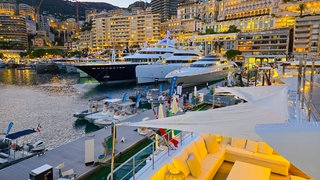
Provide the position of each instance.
(120, 3)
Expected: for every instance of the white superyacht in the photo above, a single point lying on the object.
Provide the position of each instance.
(157, 71)
(209, 68)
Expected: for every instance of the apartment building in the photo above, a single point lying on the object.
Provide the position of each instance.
(307, 35)
(27, 11)
(122, 30)
(13, 32)
(166, 8)
(262, 47)
(203, 10)
(211, 43)
(235, 9)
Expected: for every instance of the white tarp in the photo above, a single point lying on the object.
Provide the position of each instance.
(297, 142)
(238, 120)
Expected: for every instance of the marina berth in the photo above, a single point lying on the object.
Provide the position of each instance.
(157, 71)
(125, 70)
(125, 111)
(109, 109)
(209, 68)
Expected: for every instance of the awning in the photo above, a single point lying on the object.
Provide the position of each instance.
(237, 120)
(18, 134)
(297, 142)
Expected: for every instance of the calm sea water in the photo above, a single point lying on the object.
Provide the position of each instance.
(28, 99)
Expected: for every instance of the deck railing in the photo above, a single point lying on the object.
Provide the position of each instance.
(136, 162)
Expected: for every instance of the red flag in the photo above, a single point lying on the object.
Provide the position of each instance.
(154, 113)
(39, 127)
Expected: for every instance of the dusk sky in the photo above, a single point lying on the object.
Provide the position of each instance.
(120, 3)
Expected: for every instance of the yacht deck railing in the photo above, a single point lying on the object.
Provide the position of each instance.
(138, 163)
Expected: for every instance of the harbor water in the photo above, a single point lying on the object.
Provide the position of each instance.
(28, 99)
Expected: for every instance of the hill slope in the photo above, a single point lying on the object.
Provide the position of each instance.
(63, 9)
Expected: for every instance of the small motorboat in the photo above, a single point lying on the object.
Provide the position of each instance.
(36, 147)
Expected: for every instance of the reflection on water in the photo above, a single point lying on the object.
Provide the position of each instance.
(88, 127)
(116, 91)
(29, 77)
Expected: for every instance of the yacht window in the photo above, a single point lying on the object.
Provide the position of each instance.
(201, 65)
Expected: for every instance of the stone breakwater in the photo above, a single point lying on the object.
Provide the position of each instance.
(51, 105)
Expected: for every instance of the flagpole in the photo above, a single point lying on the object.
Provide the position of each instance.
(112, 153)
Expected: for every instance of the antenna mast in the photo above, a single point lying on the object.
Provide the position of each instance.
(77, 7)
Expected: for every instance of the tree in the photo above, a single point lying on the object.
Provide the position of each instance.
(301, 8)
(233, 29)
(210, 31)
(87, 26)
(23, 54)
(230, 54)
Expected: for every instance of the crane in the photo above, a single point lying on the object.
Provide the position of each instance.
(38, 8)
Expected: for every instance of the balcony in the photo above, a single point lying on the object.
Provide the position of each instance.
(301, 46)
(302, 30)
(301, 41)
(304, 35)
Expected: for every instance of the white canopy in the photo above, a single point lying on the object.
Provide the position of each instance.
(238, 120)
(298, 142)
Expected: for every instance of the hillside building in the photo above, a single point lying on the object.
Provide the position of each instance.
(166, 8)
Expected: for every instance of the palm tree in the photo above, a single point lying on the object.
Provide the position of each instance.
(301, 8)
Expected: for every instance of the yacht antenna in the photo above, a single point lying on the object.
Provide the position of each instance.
(113, 56)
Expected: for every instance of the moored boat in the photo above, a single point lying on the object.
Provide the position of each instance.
(209, 68)
(157, 71)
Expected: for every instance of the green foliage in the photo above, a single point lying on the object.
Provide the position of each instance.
(233, 29)
(230, 54)
(74, 53)
(1, 55)
(63, 9)
(210, 31)
(301, 8)
(43, 52)
(23, 54)
(87, 26)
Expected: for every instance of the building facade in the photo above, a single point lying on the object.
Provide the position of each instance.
(307, 35)
(262, 47)
(13, 32)
(120, 31)
(166, 8)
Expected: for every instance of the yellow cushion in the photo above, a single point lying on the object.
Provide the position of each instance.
(192, 148)
(160, 174)
(194, 165)
(201, 148)
(264, 148)
(252, 146)
(211, 144)
(180, 162)
(219, 137)
(239, 143)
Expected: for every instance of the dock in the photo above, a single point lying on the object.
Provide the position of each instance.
(73, 154)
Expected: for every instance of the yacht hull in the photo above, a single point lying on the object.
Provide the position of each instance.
(192, 80)
(110, 73)
(154, 73)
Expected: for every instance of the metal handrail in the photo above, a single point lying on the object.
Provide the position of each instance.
(138, 164)
(127, 161)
